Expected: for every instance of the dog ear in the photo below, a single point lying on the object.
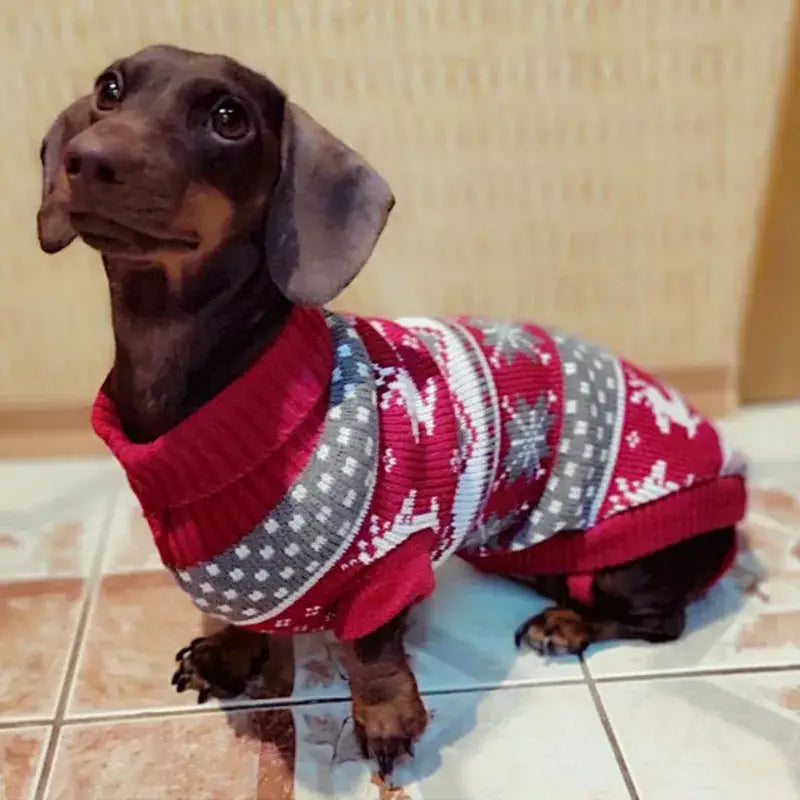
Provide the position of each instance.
(327, 212)
(55, 230)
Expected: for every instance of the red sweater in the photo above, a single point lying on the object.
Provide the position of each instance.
(321, 488)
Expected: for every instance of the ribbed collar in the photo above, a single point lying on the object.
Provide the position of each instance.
(234, 432)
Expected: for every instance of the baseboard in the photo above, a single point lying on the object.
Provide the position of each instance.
(47, 432)
(44, 432)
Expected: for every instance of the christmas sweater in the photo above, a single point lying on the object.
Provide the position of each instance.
(321, 488)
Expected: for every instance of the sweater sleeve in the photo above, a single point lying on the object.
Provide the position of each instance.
(403, 577)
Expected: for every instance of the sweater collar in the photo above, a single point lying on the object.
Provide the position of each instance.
(234, 432)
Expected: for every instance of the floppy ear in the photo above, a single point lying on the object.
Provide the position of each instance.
(327, 212)
(55, 230)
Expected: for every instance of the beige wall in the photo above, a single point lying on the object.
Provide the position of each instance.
(599, 164)
(771, 338)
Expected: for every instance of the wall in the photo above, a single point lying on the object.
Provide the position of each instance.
(597, 164)
(771, 332)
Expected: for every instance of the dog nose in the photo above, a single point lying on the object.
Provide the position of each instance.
(92, 162)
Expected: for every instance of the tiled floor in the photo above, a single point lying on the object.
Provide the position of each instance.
(89, 624)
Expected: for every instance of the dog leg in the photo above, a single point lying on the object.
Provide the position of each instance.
(388, 711)
(644, 599)
(221, 664)
(562, 630)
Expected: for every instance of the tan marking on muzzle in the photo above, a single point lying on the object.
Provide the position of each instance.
(204, 212)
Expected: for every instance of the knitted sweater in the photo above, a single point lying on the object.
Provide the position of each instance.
(321, 488)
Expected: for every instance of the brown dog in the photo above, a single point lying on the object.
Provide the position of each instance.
(200, 184)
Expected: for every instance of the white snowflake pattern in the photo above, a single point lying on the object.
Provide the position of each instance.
(507, 340)
(527, 427)
(633, 440)
(487, 531)
(649, 488)
(389, 460)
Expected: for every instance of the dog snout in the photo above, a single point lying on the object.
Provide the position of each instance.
(94, 162)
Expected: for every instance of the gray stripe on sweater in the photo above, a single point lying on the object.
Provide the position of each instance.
(584, 454)
(304, 535)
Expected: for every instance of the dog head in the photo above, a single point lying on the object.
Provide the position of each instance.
(174, 153)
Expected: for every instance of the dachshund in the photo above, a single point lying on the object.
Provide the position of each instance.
(226, 218)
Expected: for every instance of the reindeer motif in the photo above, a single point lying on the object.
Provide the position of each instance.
(401, 389)
(388, 534)
(668, 407)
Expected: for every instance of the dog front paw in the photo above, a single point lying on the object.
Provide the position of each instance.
(388, 730)
(556, 631)
(220, 665)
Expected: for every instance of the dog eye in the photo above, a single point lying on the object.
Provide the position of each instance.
(108, 91)
(229, 119)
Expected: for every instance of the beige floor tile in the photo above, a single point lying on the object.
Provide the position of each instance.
(26, 485)
(511, 744)
(464, 635)
(20, 757)
(137, 623)
(130, 542)
(752, 618)
(779, 475)
(460, 638)
(37, 626)
(767, 433)
(706, 738)
(51, 549)
(209, 756)
(51, 516)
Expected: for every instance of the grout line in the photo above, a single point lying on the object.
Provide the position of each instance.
(37, 774)
(91, 585)
(25, 722)
(299, 702)
(712, 672)
(496, 687)
(193, 711)
(283, 703)
(609, 730)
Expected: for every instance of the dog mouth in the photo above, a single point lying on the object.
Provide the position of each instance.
(115, 238)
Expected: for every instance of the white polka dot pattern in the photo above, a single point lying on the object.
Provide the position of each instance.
(593, 417)
(302, 537)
